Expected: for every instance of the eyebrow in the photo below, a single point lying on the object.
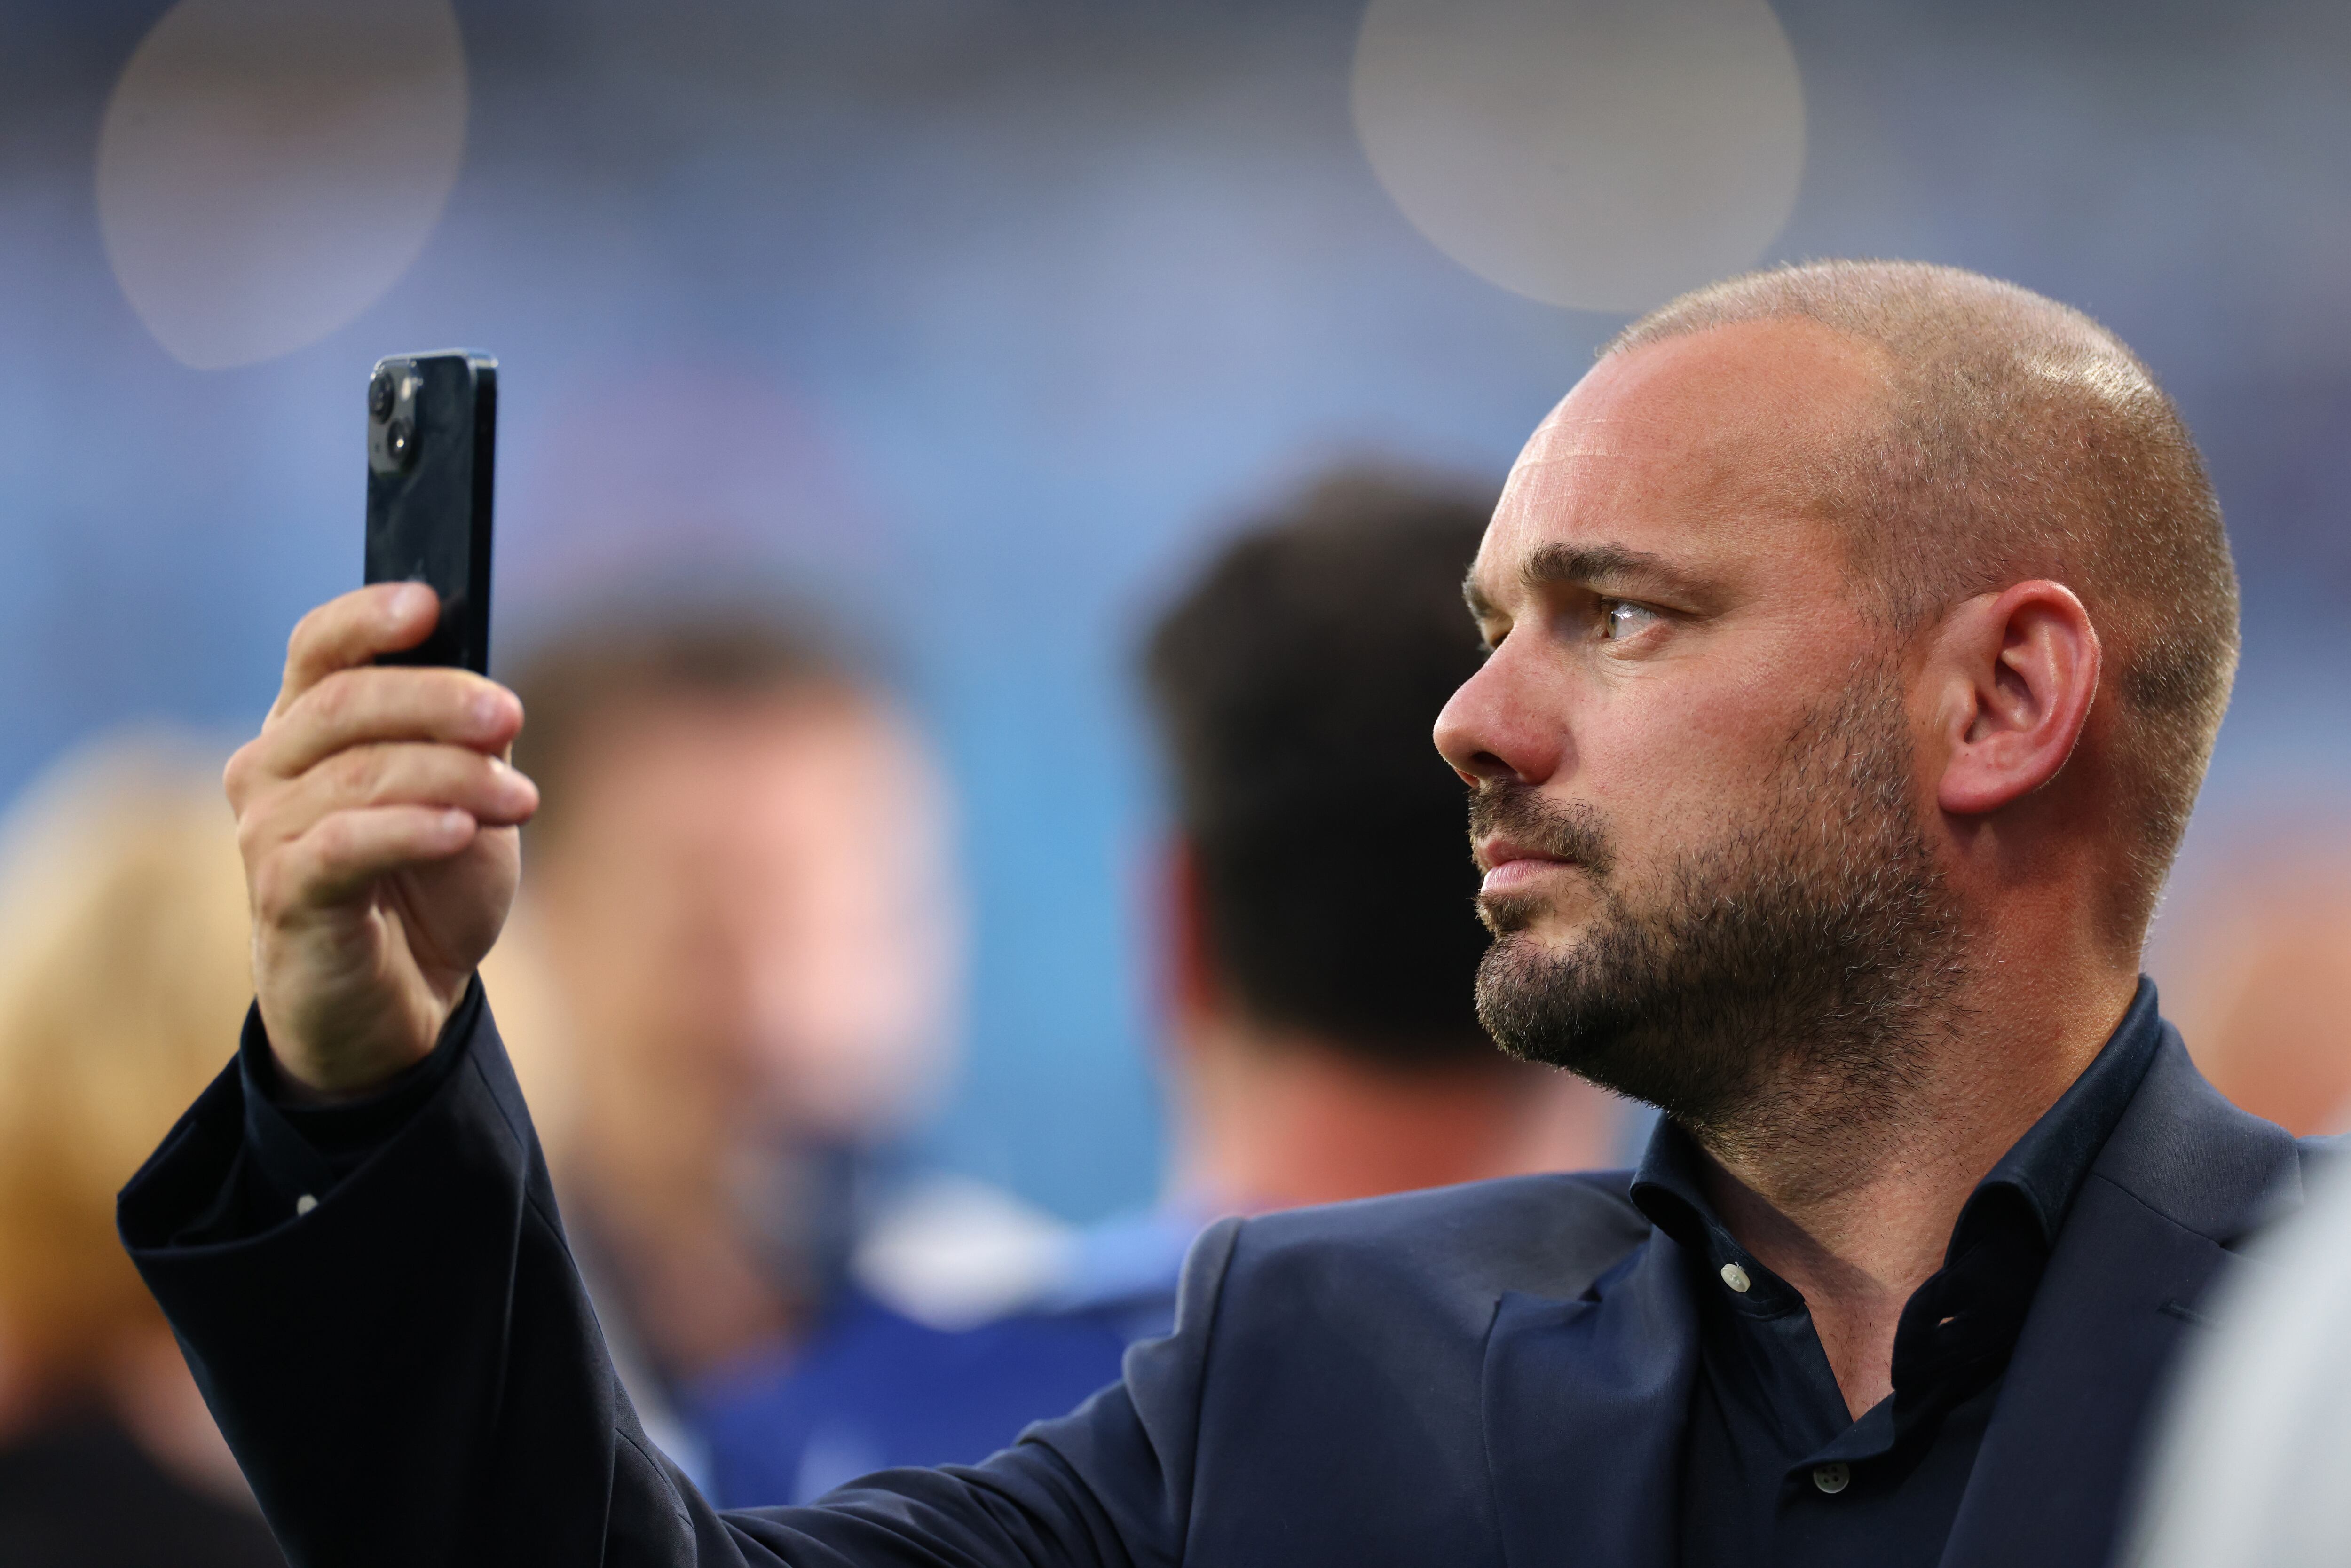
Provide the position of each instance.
(1600, 567)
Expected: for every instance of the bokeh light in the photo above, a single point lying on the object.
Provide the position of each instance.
(267, 169)
(1602, 154)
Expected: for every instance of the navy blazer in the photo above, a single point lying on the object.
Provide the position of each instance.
(1497, 1374)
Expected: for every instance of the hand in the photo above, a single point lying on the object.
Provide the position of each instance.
(378, 820)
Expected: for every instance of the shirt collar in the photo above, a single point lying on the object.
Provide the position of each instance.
(2045, 1168)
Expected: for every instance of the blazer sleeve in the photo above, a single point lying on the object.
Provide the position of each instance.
(409, 1371)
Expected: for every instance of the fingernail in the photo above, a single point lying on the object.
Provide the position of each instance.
(410, 600)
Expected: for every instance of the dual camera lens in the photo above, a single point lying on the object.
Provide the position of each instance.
(399, 438)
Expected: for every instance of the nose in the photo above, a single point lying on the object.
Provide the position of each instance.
(1496, 729)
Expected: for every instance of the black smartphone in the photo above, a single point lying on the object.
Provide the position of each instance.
(433, 425)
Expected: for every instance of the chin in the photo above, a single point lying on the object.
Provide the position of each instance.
(1536, 923)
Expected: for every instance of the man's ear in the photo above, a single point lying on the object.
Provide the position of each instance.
(2019, 670)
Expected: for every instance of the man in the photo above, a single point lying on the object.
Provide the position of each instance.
(1323, 1042)
(1860, 633)
(746, 932)
(1323, 1039)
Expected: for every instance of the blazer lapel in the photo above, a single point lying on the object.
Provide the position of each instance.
(1585, 1405)
(2184, 1175)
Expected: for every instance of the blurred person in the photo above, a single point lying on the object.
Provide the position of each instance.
(2256, 954)
(1859, 634)
(123, 955)
(2254, 1465)
(1323, 1040)
(1324, 1033)
(745, 936)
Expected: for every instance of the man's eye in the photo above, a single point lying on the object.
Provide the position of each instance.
(1619, 619)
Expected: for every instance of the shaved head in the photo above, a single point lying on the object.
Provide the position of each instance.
(2020, 439)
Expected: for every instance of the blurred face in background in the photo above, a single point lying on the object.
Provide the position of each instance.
(750, 918)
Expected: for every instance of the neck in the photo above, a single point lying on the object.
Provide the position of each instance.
(1858, 1232)
(1275, 1119)
(698, 1283)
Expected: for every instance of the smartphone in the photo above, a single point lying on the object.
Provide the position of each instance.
(433, 424)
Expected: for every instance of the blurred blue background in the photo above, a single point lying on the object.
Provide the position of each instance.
(980, 320)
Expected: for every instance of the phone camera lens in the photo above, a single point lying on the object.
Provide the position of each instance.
(399, 440)
(379, 394)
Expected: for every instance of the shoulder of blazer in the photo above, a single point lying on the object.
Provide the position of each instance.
(1548, 1235)
(2188, 1154)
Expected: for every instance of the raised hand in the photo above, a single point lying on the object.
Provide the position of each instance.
(378, 819)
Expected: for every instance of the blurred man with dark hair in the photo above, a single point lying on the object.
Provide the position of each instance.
(1321, 929)
(1320, 953)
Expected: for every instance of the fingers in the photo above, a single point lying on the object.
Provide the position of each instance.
(343, 854)
(366, 777)
(392, 703)
(351, 630)
(376, 820)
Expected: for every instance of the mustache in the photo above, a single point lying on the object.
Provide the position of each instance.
(1572, 832)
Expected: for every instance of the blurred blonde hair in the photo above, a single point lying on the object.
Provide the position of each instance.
(124, 974)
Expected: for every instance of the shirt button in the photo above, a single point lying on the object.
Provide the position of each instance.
(1736, 1278)
(1834, 1476)
(304, 1204)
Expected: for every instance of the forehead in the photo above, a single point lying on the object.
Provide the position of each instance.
(718, 757)
(1719, 447)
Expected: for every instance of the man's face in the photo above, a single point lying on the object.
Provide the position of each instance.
(751, 902)
(1695, 805)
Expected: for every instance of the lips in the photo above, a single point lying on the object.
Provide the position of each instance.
(1498, 850)
(1519, 837)
(1511, 865)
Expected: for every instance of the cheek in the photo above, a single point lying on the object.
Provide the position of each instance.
(858, 937)
(1667, 769)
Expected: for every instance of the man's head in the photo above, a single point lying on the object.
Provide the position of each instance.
(1837, 611)
(741, 867)
(1294, 686)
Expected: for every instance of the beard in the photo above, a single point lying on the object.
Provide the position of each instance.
(1788, 972)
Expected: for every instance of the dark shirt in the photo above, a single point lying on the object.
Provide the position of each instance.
(1774, 1469)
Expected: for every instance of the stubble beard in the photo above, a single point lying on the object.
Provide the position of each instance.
(1782, 983)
